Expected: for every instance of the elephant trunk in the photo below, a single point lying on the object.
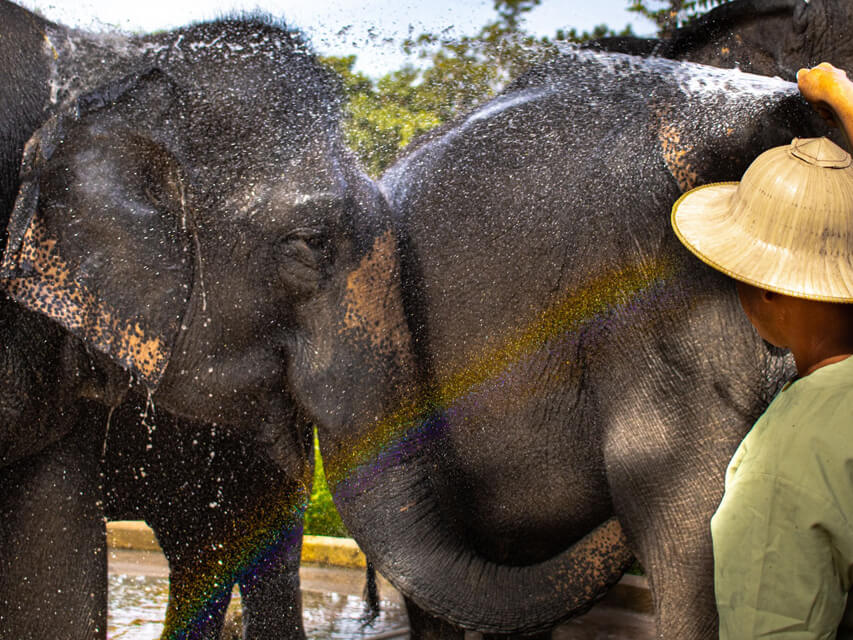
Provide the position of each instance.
(394, 516)
(385, 498)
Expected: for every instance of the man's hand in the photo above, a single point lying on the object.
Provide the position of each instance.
(828, 90)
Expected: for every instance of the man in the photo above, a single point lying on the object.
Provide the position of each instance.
(783, 533)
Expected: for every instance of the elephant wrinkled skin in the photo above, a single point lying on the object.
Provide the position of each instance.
(767, 37)
(183, 241)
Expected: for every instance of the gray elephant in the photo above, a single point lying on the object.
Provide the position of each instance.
(142, 478)
(589, 379)
(190, 236)
(767, 37)
(138, 478)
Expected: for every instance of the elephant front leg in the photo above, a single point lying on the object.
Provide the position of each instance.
(202, 575)
(665, 488)
(53, 569)
(199, 594)
(272, 600)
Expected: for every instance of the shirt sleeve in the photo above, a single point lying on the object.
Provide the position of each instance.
(776, 569)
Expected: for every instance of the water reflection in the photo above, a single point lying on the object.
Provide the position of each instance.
(137, 607)
(332, 616)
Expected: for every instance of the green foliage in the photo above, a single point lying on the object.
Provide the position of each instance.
(511, 11)
(382, 116)
(598, 31)
(321, 517)
(455, 74)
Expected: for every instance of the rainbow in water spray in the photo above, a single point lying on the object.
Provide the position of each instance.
(279, 530)
(619, 290)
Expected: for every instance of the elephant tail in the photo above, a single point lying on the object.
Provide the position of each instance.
(372, 607)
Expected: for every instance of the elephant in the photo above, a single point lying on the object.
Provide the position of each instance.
(766, 37)
(586, 379)
(212, 495)
(187, 235)
(136, 473)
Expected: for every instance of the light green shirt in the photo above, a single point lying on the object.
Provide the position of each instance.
(783, 533)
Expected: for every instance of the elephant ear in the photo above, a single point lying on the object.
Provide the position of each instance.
(98, 236)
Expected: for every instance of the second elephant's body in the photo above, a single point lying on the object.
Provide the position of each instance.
(582, 364)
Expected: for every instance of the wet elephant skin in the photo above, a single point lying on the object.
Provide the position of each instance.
(181, 242)
(767, 37)
(583, 365)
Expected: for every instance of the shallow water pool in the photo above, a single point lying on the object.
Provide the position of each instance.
(137, 606)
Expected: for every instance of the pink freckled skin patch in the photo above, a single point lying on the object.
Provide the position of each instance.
(50, 288)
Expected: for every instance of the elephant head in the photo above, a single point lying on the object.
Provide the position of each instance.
(200, 223)
(767, 37)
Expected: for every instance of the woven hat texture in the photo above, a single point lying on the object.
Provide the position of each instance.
(787, 226)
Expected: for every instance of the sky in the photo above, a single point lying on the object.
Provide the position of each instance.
(371, 29)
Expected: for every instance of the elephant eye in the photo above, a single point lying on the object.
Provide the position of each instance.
(312, 238)
(306, 244)
(303, 256)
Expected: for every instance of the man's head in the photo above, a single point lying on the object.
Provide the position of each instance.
(785, 234)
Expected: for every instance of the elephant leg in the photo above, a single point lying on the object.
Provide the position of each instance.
(665, 490)
(198, 598)
(676, 555)
(272, 600)
(53, 568)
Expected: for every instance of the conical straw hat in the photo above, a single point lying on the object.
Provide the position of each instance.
(787, 226)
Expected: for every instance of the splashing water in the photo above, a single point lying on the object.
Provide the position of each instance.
(138, 605)
(275, 532)
(277, 527)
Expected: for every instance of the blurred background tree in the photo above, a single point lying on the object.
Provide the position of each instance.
(321, 517)
(454, 75)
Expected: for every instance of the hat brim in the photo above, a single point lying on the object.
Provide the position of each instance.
(703, 221)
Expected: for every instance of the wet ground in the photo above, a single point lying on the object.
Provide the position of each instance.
(332, 605)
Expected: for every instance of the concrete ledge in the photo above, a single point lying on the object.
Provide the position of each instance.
(632, 592)
(335, 552)
(320, 550)
(131, 534)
